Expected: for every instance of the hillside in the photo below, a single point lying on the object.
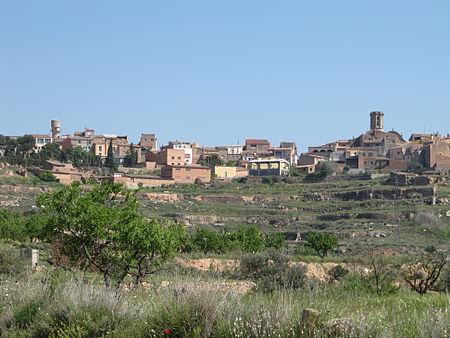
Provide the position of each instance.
(364, 213)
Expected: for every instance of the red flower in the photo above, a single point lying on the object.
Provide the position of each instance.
(167, 331)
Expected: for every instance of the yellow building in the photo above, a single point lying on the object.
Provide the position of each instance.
(230, 172)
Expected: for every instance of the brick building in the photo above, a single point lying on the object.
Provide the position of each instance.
(186, 173)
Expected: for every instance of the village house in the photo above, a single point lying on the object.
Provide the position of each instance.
(186, 173)
(309, 163)
(131, 181)
(278, 167)
(185, 146)
(436, 154)
(230, 172)
(257, 146)
(284, 153)
(230, 153)
(166, 156)
(100, 145)
(64, 173)
(40, 140)
(149, 141)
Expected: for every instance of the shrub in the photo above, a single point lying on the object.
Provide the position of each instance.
(47, 176)
(272, 272)
(428, 219)
(11, 261)
(338, 272)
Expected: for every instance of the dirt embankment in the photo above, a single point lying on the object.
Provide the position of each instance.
(318, 271)
(161, 197)
(250, 220)
(369, 194)
(244, 199)
(21, 189)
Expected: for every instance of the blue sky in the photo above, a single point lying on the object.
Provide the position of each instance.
(217, 72)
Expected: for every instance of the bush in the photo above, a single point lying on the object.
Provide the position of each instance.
(11, 261)
(272, 272)
(429, 219)
(338, 273)
(47, 176)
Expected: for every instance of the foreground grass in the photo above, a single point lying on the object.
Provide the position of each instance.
(53, 304)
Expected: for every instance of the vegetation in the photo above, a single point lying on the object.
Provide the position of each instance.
(244, 239)
(47, 176)
(212, 160)
(101, 229)
(51, 303)
(322, 243)
(250, 282)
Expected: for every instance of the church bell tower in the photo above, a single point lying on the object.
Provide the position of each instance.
(377, 120)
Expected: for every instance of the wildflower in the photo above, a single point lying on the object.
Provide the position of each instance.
(166, 331)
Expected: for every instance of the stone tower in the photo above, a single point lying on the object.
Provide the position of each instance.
(377, 120)
(56, 129)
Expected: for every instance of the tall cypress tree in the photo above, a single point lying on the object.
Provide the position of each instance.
(109, 161)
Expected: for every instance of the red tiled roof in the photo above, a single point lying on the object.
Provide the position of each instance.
(255, 142)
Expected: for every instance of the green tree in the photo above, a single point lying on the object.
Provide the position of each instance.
(321, 243)
(109, 161)
(212, 160)
(327, 168)
(102, 229)
(131, 159)
(12, 225)
(248, 239)
(209, 241)
(275, 240)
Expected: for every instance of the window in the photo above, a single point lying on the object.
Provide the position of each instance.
(188, 169)
(173, 157)
(100, 148)
(178, 169)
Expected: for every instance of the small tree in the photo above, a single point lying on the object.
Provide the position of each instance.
(109, 161)
(327, 168)
(212, 160)
(248, 239)
(382, 276)
(209, 241)
(101, 229)
(321, 243)
(131, 159)
(424, 273)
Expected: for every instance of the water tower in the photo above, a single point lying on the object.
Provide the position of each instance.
(56, 129)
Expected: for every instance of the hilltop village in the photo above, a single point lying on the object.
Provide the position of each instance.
(77, 157)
